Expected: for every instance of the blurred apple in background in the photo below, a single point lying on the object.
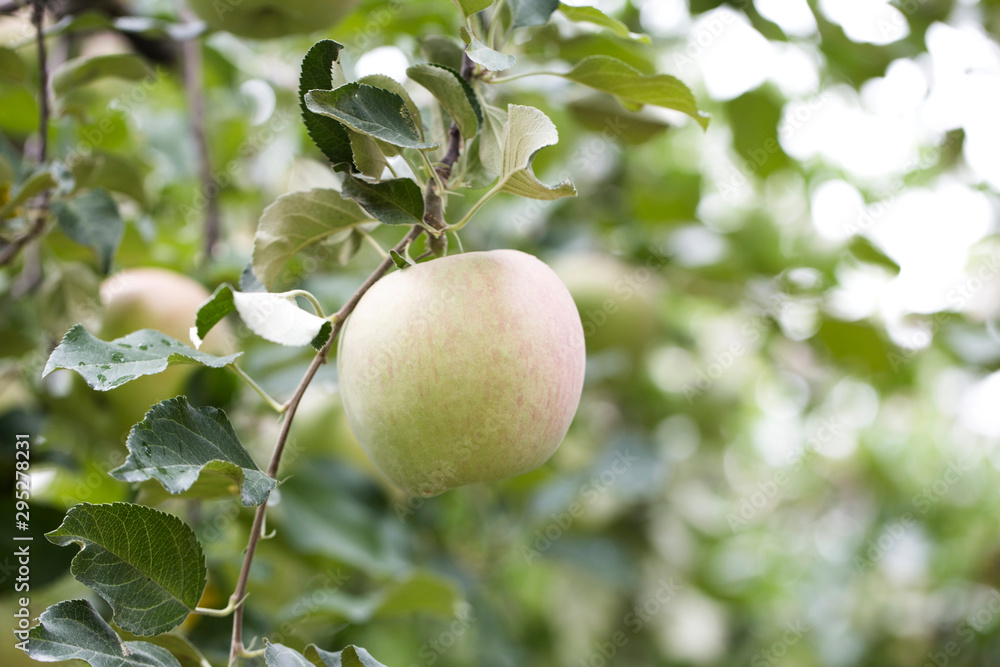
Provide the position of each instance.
(153, 298)
(266, 19)
(616, 300)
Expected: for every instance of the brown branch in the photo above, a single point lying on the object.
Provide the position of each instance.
(40, 214)
(433, 201)
(236, 647)
(194, 89)
(38, 19)
(9, 251)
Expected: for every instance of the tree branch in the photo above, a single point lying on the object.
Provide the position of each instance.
(40, 214)
(194, 90)
(433, 201)
(236, 648)
(38, 19)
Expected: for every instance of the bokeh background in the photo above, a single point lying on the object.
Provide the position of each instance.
(788, 447)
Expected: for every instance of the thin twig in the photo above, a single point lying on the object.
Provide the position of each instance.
(236, 648)
(194, 88)
(40, 214)
(38, 19)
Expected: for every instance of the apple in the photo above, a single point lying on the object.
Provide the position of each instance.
(463, 369)
(153, 298)
(266, 19)
(616, 299)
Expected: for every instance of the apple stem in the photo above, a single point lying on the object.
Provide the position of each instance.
(236, 648)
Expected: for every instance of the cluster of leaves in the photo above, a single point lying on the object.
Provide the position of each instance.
(149, 566)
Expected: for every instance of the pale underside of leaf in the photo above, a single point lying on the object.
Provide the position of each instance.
(278, 318)
(527, 130)
(492, 60)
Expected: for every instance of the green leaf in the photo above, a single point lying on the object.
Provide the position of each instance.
(34, 184)
(600, 113)
(491, 138)
(249, 281)
(11, 66)
(420, 592)
(147, 564)
(296, 224)
(182, 649)
(857, 346)
(400, 261)
(350, 247)
(526, 131)
(395, 202)
(866, 251)
(211, 312)
(393, 86)
(373, 111)
(278, 655)
(532, 12)
(453, 92)
(368, 157)
(632, 86)
(324, 512)
(492, 60)
(70, 294)
(73, 630)
(106, 365)
(92, 219)
(351, 656)
(114, 173)
(320, 68)
(176, 440)
(597, 17)
(81, 71)
(7, 174)
(470, 7)
(442, 50)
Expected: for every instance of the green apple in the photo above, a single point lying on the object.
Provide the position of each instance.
(266, 19)
(153, 298)
(463, 369)
(616, 300)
